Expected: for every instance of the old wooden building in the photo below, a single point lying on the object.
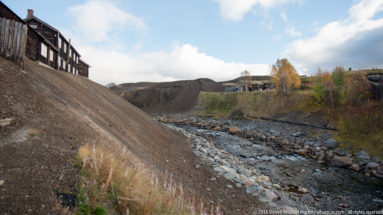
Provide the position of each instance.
(38, 48)
(47, 45)
(68, 57)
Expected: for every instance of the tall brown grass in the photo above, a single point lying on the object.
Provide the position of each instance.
(109, 178)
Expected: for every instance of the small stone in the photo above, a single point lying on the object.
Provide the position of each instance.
(208, 189)
(229, 186)
(5, 122)
(270, 196)
(197, 166)
(340, 152)
(1, 182)
(355, 167)
(296, 134)
(341, 161)
(331, 143)
(238, 185)
(212, 179)
(244, 171)
(234, 130)
(372, 165)
(302, 190)
(229, 175)
(303, 171)
(217, 128)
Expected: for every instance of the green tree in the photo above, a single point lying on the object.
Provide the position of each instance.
(285, 78)
(318, 88)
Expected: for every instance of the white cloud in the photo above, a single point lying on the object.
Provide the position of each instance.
(355, 41)
(96, 19)
(183, 62)
(236, 9)
(284, 17)
(292, 32)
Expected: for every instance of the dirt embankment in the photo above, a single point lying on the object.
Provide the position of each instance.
(169, 97)
(46, 115)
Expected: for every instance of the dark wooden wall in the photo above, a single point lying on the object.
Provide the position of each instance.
(48, 33)
(83, 69)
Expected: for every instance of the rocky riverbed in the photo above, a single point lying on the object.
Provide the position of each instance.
(284, 166)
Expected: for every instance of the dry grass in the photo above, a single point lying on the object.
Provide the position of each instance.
(109, 179)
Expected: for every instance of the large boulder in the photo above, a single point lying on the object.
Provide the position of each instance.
(340, 161)
(331, 143)
(363, 155)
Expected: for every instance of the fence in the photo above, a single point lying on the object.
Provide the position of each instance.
(376, 82)
(13, 37)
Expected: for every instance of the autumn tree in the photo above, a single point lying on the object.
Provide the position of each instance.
(338, 77)
(246, 79)
(318, 92)
(285, 78)
(357, 88)
(328, 87)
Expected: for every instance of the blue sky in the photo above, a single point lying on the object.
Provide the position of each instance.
(131, 41)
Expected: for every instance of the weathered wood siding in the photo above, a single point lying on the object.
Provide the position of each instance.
(83, 69)
(12, 39)
(48, 33)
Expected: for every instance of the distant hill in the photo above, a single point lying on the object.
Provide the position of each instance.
(177, 96)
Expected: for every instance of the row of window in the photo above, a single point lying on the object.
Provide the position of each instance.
(71, 53)
(44, 53)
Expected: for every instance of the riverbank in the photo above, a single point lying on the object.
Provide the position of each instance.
(285, 166)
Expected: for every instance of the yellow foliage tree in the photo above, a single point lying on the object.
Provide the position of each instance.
(285, 77)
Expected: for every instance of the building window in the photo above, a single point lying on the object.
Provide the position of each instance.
(70, 52)
(44, 50)
(64, 65)
(59, 43)
(69, 68)
(59, 63)
(64, 47)
(51, 54)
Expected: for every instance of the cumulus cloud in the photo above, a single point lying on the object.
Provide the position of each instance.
(236, 9)
(91, 34)
(355, 41)
(99, 18)
(181, 63)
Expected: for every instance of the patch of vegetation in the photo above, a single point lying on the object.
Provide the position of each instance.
(220, 103)
(108, 180)
(32, 133)
(361, 128)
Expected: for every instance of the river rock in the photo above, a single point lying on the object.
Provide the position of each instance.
(302, 190)
(217, 128)
(372, 165)
(355, 167)
(234, 130)
(296, 134)
(244, 171)
(5, 122)
(331, 143)
(251, 188)
(269, 196)
(340, 152)
(219, 170)
(363, 155)
(340, 161)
